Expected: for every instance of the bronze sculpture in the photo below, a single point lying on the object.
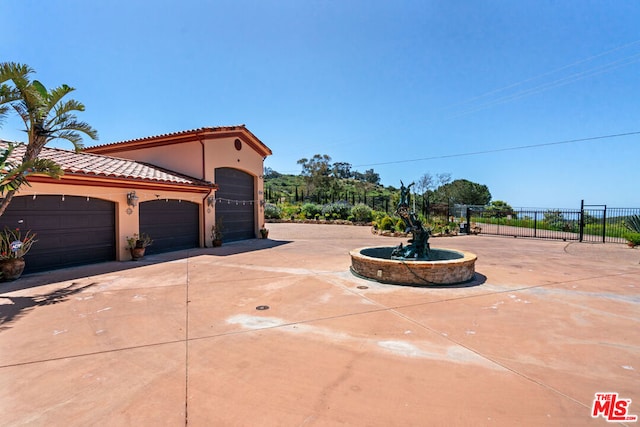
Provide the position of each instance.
(418, 247)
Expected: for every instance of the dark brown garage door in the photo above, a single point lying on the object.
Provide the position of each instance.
(235, 204)
(70, 230)
(172, 224)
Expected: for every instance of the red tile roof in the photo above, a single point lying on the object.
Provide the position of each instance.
(183, 136)
(106, 166)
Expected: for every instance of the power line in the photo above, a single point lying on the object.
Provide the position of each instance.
(553, 84)
(497, 150)
(577, 76)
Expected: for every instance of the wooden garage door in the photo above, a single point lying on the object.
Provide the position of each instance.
(172, 224)
(235, 204)
(70, 230)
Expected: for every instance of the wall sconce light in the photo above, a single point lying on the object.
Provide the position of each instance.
(210, 201)
(132, 199)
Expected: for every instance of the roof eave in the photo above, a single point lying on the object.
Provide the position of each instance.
(183, 137)
(119, 182)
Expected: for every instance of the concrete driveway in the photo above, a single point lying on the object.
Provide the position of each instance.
(278, 332)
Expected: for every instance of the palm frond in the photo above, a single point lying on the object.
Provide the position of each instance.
(73, 137)
(15, 72)
(45, 166)
(4, 110)
(68, 106)
(71, 124)
(21, 109)
(46, 115)
(4, 156)
(13, 177)
(8, 96)
(55, 95)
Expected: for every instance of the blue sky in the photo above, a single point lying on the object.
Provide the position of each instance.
(403, 87)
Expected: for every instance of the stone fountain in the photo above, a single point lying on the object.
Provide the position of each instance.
(415, 263)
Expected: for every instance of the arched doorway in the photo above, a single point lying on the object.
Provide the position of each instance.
(235, 206)
(70, 230)
(172, 224)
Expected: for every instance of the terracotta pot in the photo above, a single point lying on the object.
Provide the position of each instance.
(216, 243)
(137, 253)
(11, 268)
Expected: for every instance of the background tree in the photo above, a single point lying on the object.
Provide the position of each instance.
(462, 191)
(270, 173)
(425, 183)
(46, 116)
(342, 170)
(555, 221)
(498, 209)
(444, 178)
(316, 172)
(369, 176)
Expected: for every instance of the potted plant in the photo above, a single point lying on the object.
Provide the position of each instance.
(216, 233)
(13, 247)
(137, 244)
(633, 239)
(264, 232)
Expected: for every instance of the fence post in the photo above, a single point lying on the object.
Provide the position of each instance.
(535, 223)
(581, 220)
(604, 224)
(468, 225)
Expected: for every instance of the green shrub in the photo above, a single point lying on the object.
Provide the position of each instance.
(378, 215)
(310, 210)
(400, 226)
(633, 238)
(290, 211)
(337, 210)
(272, 211)
(386, 223)
(361, 213)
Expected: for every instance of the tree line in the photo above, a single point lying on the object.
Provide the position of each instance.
(322, 182)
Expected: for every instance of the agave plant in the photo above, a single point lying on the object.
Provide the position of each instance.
(633, 223)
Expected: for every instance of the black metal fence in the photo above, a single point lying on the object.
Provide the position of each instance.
(297, 195)
(376, 201)
(590, 223)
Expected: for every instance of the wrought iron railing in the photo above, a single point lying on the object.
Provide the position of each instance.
(588, 224)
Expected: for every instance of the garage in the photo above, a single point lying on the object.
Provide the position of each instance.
(235, 207)
(172, 224)
(70, 230)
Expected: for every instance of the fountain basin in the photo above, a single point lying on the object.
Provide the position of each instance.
(444, 267)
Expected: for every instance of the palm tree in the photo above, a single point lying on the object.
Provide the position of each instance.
(46, 116)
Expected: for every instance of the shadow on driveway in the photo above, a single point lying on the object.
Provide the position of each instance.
(42, 278)
(19, 306)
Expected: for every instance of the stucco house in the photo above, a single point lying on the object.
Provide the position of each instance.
(170, 186)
